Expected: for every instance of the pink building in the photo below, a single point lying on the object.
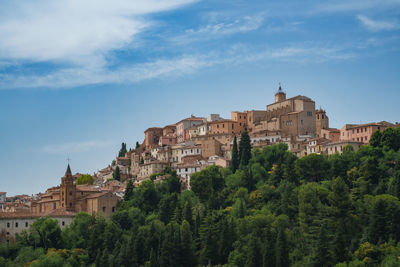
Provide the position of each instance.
(182, 127)
(362, 132)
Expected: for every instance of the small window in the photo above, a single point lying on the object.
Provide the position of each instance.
(16, 225)
(8, 225)
(54, 205)
(104, 209)
(62, 223)
(26, 224)
(70, 193)
(113, 209)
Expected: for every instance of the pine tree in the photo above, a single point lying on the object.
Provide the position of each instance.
(322, 256)
(254, 258)
(137, 145)
(117, 174)
(235, 156)
(244, 149)
(187, 245)
(282, 249)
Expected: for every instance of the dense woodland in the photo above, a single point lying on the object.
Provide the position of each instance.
(269, 208)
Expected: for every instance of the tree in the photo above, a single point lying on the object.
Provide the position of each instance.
(84, 179)
(244, 149)
(376, 138)
(117, 174)
(137, 145)
(123, 150)
(128, 191)
(282, 249)
(235, 156)
(322, 256)
(187, 246)
(46, 233)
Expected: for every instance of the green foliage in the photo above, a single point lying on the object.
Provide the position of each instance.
(85, 179)
(235, 161)
(123, 150)
(117, 174)
(276, 210)
(244, 149)
(128, 191)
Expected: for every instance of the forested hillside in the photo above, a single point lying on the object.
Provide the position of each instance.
(273, 210)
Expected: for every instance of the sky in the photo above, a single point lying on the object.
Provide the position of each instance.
(78, 78)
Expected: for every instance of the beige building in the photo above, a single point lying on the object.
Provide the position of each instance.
(152, 136)
(292, 117)
(181, 127)
(337, 147)
(75, 198)
(151, 166)
(15, 223)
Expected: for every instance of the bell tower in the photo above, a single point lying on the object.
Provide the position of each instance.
(67, 191)
(280, 95)
(321, 120)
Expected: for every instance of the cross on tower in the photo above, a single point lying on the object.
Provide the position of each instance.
(68, 159)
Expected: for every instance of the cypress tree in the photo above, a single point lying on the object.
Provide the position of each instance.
(244, 149)
(117, 174)
(282, 250)
(235, 156)
(137, 145)
(123, 150)
(128, 191)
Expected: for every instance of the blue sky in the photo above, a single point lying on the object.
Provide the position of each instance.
(77, 78)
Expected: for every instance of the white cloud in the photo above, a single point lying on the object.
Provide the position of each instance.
(237, 54)
(74, 147)
(73, 31)
(375, 26)
(245, 24)
(78, 76)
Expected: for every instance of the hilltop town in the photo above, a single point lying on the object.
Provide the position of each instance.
(186, 147)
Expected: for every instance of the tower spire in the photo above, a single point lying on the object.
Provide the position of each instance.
(68, 172)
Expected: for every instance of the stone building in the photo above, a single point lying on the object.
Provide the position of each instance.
(321, 122)
(292, 117)
(152, 136)
(182, 127)
(75, 198)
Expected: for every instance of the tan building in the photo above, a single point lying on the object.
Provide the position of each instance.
(362, 132)
(152, 136)
(321, 121)
(241, 119)
(292, 117)
(210, 147)
(337, 147)
(224, 127)
(254, 118)
(151, 166)
(75, 198)
(15, 223)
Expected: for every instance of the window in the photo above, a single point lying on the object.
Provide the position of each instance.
(309, 113)
(16, 225)
(223, 125)
(70, 204)
(54, 206)
(26, 224)
(358, 130)
(217, 125)
(104, 209)
(63, 223)
(317, 116)
(361, 129)
(113, 209)
(8, 225)
(365, 129)
(70, 193)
